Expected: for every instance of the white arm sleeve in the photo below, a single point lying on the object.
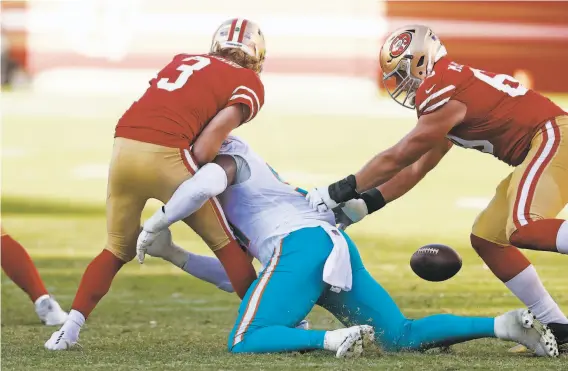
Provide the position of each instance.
(208, 269)
(191, 195)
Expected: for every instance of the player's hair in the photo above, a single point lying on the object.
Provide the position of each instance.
(239, 57)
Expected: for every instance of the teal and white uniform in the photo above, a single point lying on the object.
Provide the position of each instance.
(294, 242)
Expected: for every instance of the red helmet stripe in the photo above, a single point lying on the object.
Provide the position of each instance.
(242, 32)
(232, 31)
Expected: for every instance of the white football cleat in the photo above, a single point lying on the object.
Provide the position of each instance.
(521, 326)
(49, 311)
(349, 342)
(60, 340)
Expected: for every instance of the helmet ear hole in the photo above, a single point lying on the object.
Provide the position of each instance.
(420, 62)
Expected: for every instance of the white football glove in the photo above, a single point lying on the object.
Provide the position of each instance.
(350, 212)
(150, 231)
(319, 199)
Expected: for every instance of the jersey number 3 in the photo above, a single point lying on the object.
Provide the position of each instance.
(504, 83)
(186, 72)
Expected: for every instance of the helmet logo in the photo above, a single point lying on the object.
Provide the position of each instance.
(400, 44)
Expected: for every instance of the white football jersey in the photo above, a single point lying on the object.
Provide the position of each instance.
(263, 209)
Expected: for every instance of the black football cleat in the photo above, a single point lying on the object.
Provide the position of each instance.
(560, 331)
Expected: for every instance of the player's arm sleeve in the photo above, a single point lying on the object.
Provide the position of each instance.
(249, 93)
(432, 97)
(191, 195)
(237, 149)
(208, 269)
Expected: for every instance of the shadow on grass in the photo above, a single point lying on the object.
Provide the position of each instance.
(13, 205)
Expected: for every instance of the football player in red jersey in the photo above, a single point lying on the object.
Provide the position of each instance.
(18, 265)
(492, 113)
(179, 124)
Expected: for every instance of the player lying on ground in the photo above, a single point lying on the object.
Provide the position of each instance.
(18, 265)
(494, 114)
(195, 101)
(309, 261)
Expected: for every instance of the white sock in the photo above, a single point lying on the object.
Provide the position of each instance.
(73, 325)
(329, 343)
(562, 238)
(529, 289)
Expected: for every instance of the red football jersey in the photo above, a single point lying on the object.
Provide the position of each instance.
(185, 96)
(502, 115)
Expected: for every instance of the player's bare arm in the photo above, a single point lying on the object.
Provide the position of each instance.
(429, 133)
(375, 199)
(209, 141)
(405, 180)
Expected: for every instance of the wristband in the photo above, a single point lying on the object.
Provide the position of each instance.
(344, 190)
(374, 200)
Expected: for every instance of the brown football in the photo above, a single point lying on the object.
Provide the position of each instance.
(435, 262)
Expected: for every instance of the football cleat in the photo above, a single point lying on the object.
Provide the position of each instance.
(521, 326)
(349, 342)
(49, 311)
(560, 331)
(60, 340)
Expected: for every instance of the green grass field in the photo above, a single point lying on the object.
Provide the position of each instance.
(156, 317)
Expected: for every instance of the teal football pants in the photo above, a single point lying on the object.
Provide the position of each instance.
(291, 284)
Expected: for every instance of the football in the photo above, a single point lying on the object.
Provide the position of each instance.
(435, 262)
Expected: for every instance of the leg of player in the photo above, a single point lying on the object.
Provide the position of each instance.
(520, 276)
(18, 265)
(539, 191)
(544, 235)
(126, 198)
(205, 268)
(490, 241)
(283, 295)
(369, 301)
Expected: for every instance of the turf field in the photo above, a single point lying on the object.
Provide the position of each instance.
(155, 317)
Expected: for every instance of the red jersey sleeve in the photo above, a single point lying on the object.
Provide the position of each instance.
(250, 92)
(439, 89)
